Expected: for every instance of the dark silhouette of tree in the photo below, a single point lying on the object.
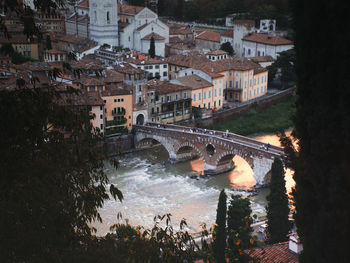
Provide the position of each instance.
(152, 48)
(277, 205)
(238, 227)
(179, 11)
(322, 128)
(228, 48)
(219, 244)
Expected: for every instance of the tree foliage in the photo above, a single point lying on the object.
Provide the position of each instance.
(277, 205)
(219, 234)
(322, 129)
(238, 227)
(228, 48)
(52, 177)
(152, 48)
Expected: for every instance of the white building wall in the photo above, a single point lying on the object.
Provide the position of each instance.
(259, 49)
(98, 121)
(104, 21)
(239, 32)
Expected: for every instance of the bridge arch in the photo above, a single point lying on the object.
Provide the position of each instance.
(187, 145)
(143, 140)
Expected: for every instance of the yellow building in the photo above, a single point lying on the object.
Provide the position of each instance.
(24, 46)
(203, 93)
(118, 106)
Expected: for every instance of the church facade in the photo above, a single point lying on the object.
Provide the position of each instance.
(116, 24)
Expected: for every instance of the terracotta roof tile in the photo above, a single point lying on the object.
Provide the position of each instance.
(186, 61)
(209, 36)
(165, 87)
(217, 52)
(228, 33)
(267, 39)
(129, 9)
(276, 253)
(194, 82)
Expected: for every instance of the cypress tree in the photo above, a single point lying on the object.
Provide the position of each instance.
(219, 244)
(238, 227)
(277, 206)
(152, 48)
(322, 127)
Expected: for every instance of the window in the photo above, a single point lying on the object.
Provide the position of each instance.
(254, 81)
(209, 105)
(101, 116)
(231, 83)
(150, 67)
(165, 66)
(250, 83)
(258, 80)
(176, 97)
(108, 18)
(185, 95)
(214, 92)
(139, 99)
(199, 96)
(115, 100)
(258, 53)
(140, 88)
(219, 102)
(219, 91)
(162, 99)
(245, 84)
(101, 107)
(236, 85)
(165, 74)
(156, 66)
(194, 96)
(101, 126)
(248, 51)
(204, 95)
(92, 88)
(168, 98)
(245, 95)
(250, 93)
(236, 74)
(104, 101)
(209, 94)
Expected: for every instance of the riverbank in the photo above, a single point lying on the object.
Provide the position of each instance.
(271, 119)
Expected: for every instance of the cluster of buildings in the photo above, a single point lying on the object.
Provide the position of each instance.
(189, 72)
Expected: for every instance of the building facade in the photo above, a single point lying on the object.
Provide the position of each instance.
(168, 103)
(104, 21)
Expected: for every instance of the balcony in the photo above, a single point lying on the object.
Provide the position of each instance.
(121, 122)
(117, 113)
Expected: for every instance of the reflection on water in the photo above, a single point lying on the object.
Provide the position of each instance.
(151, 186)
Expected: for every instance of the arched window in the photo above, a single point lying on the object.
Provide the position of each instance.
(108, 18)
(95, 14)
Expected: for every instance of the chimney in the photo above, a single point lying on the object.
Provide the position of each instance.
(294, 243)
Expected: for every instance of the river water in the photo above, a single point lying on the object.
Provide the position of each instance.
(151, 186)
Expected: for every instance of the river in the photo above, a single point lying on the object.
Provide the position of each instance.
(151, 186)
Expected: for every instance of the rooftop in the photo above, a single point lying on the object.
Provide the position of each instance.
(194, 82)
(267, 39)
(209, 36)
(165, 87)
(228, 33)
(278, 253)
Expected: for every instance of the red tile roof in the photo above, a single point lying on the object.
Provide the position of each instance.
(209, 36)
(194, 82)
(276, 253)
(154, 35)
(267, 39)
(228, 33)
(165, 87)
(129, 9)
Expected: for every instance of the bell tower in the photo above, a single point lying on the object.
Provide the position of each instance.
(104, 21)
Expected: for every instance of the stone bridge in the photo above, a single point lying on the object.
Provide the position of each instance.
(215, 148)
